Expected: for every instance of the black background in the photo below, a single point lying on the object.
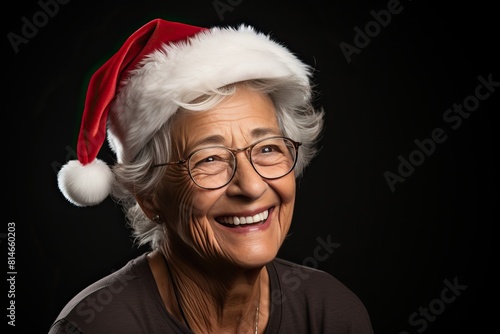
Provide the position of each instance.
(396, 248)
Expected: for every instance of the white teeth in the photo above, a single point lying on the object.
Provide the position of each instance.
(246, 220)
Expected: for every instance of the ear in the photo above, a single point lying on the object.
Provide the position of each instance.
(147, 205)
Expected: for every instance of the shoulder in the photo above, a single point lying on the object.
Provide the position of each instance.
(330, 303)
(106, 300)
(63, 326)
(115, 284)
(293, 276)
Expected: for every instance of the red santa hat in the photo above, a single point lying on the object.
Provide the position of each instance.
(138, 89)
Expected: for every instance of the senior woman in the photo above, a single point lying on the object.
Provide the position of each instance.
(211, 128)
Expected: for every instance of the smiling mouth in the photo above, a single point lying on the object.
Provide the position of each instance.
(233, 221)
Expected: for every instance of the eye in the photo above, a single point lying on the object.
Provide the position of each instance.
(267, 149)
(207, 157)
(211, 156)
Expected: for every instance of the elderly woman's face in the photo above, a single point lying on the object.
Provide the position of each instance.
(200, 216)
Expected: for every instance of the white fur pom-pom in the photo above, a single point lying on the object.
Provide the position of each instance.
(85, 185)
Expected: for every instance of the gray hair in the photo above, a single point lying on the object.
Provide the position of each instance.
(298, 119)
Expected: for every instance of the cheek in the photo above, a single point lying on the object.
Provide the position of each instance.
(185, 207)
(194, 227)
(285, 189)
(173, 196)
(202, 201)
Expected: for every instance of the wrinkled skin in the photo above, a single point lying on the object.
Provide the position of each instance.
(224, 264)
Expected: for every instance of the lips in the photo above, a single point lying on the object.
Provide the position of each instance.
(233, 221)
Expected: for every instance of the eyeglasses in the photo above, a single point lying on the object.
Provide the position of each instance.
(214, 167)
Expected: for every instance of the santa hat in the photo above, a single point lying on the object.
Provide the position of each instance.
(139, 88)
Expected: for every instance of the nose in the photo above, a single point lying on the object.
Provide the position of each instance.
(246, 182)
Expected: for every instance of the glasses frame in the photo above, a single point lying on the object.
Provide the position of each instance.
(234, 151)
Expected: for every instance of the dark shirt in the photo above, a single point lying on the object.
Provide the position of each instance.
(303, 300)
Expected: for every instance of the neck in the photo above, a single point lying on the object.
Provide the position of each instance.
(217, 299)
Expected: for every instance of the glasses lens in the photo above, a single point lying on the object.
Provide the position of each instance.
(274, 157)
(211, 167)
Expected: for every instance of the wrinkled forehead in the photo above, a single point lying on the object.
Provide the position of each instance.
(241, 118)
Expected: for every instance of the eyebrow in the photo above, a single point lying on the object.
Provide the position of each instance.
(219, 139)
